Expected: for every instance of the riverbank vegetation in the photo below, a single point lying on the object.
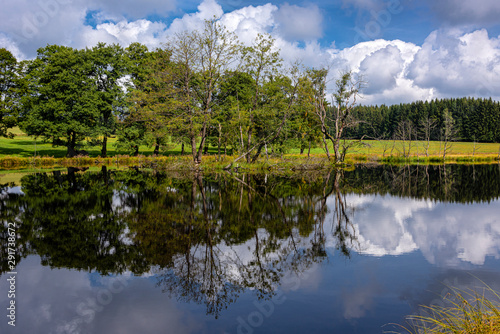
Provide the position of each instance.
(465, 311)
(24, 151)
(205, 94)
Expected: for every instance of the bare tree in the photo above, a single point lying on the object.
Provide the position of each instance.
(427, 127)
(405, 133)
(449, 132)
(333, 122)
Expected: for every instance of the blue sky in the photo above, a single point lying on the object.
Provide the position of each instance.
(406, 49)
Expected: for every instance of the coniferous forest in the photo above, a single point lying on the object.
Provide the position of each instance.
(474, 119)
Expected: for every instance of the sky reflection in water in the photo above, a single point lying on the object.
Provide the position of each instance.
(394, 252)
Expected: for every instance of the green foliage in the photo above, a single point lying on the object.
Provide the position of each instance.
(474, 119)
(11, 83)
(61, 105)
(108, 68)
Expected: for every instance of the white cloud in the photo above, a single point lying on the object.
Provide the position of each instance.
(249, 21)
(33, 25)
(299, 23)
(435, 233)
(458, 64)
(7, 43)
(381, 68)
(450, 63)
(388, 225)
(207, 10)
(69, 302)
(125, 33)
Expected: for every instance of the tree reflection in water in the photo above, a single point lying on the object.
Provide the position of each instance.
(210, 237)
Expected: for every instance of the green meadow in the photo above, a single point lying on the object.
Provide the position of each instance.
(23, 147)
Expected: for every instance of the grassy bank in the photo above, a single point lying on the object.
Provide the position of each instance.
(465, 311)
(23, 151)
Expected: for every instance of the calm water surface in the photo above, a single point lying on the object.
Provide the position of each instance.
(131, 251)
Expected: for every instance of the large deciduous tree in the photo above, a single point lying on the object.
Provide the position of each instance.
(203, 56)
(61, 104)
(154, 100)
(132, 134)
(9, 84)
(108, 69)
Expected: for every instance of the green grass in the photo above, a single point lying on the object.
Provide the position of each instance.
(468, 312)
(388, 147)
(23, 146)
(21, 149)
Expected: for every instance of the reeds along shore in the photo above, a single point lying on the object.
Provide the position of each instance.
(470, 311)
(214, 162)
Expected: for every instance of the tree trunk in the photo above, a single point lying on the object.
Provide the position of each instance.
(219, 142)
(182, 149)
(336, 150)
(71, 145)
(193, 147)
(104, 149)
(199, 154)
(326, 147)
(157, 148)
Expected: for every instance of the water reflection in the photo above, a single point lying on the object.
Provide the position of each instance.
(208, 239)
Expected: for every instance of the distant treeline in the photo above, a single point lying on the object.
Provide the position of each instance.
(474, 119)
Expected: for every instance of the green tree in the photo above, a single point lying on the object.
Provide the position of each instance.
(9, 82)
(61, 105)
(108, 68)
(154, 100)
(132, 134)
(234, 100)
(203, 57)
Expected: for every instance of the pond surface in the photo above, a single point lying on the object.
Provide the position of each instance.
(131, 251)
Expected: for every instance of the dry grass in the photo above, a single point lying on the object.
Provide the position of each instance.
(469, 312)
(24, 151)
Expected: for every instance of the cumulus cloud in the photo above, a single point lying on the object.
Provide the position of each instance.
(207, 10)
(33, 25)
(249, 21)
(358, 301)
(458, 64)
(7, 43)
(381, 68)
(450, 63)
(299, 23)
(435, 232)
(124, 33)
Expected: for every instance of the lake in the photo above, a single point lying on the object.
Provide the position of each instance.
(340, 251)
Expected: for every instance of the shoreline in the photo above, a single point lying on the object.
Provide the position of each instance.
(211, 162)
